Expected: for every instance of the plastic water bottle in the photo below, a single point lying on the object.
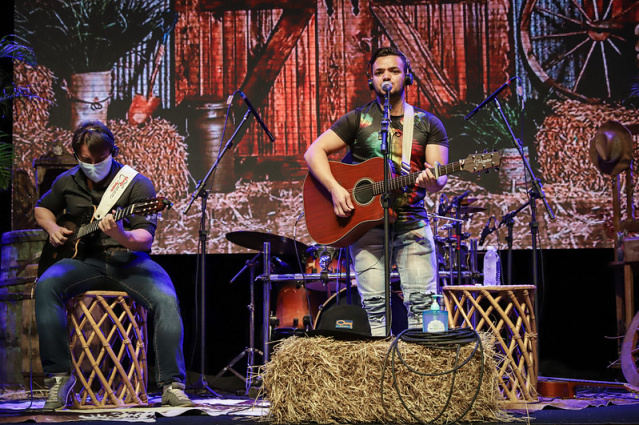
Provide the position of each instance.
(491, 267)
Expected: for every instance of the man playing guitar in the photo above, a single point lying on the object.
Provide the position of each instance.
(412, 245)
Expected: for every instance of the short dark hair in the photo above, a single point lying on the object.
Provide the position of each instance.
(95, 135)
(387, 51)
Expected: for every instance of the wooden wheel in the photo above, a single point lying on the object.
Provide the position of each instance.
(630, 353)
(582, 48)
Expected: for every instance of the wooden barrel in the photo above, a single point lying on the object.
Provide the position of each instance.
(90, 97)
(19, 348)
(205, 127)
(20, 252)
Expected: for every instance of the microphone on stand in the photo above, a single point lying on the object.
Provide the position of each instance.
(257, 116)
(387, 86)
(486, 231)
(457, 199)
(490, 98)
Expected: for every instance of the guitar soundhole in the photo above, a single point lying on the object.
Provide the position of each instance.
(363, 192)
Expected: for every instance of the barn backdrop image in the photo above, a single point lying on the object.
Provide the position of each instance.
(168, 87)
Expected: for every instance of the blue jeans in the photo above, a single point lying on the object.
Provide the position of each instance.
(414, 254)
(134, 272)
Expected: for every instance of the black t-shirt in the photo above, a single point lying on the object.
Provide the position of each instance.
(360, 129)
(71, 196)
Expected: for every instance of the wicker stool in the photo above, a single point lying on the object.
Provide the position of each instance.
(509, 313)
(108, 340)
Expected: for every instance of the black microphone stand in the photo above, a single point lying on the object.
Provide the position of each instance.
(383, 134)
(457, 226)
(536, 192)
(202, 193)
(508, 219)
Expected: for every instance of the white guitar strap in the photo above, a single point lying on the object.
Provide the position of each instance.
(121, 181)
(407, 139)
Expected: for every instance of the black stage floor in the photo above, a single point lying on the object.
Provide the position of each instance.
(589, 406)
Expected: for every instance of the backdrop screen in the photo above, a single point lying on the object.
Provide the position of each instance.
(165, 83)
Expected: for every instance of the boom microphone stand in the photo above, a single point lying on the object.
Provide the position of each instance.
(387, 87)
(202, 193)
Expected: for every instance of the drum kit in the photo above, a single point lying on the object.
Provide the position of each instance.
(310, 279)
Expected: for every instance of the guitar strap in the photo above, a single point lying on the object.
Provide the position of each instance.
(407, 138)
(115, 190)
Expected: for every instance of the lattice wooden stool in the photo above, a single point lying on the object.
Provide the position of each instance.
(508, 312)
(108, 340)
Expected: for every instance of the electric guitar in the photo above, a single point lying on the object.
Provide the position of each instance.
(73, 247)
(365, 183)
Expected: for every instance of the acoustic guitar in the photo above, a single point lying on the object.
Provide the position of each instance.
(73, 247)
(365, 183)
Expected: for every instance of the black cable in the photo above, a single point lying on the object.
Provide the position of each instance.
(448, 340)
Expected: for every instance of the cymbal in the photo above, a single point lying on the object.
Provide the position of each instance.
(280, 245)
(468, 201)
(466, 209)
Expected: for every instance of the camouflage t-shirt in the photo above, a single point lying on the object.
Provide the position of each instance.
(360, 129)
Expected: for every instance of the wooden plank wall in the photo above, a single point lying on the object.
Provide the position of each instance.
(325, 74)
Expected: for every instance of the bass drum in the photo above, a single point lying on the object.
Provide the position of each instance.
(398, 310)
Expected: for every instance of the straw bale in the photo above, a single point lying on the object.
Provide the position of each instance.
(563, 142)
(323, 380)
(34, 112)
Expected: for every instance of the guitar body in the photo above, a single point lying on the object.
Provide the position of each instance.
(73, 248)
(328, 229)
(365, 183)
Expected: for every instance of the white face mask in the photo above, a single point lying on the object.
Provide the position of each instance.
(97, 172)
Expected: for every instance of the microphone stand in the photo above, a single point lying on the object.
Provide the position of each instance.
(202, 193)
(536, 192)
(383, 134)
(508, 220)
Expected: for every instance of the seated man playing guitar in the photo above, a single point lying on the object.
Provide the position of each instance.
(411, 239)
(115, 257)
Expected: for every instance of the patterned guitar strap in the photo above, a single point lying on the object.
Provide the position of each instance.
(407, 138)
(115, 190)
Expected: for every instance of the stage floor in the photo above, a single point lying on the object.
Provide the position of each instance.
(591, 405)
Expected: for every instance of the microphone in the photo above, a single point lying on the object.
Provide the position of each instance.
(387, 86)
(257, 116)
(486, 231)
(490, 98)
(521, 93)
(457, 199)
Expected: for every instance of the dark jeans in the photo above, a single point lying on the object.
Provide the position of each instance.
(134, 272)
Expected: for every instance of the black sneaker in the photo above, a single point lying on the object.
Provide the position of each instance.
(59, 390)
(174, 395)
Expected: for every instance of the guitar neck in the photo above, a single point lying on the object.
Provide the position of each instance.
(410, 179)
(93, 226)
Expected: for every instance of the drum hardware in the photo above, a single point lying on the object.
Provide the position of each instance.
(280, 245)
(249, 351)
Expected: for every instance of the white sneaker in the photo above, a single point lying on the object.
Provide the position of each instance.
(59, 389)
(174, 395)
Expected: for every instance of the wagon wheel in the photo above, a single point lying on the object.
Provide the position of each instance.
(630, 353)
(582, 48)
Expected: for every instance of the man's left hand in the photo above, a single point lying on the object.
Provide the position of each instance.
(111, 227)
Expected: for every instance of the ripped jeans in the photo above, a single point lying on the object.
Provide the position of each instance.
(414, 254)
(134, 272)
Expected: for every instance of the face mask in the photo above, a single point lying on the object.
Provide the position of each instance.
(97, 172)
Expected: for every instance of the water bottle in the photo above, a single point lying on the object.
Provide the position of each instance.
(491, 267)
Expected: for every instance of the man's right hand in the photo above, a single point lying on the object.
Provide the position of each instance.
(59, 236)
(342, 202)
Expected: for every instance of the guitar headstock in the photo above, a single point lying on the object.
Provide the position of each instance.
(151, 206)
(481, 161)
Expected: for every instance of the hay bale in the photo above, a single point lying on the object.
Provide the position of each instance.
(324, 380)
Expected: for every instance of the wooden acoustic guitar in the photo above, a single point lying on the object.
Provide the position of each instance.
(73, 247)
(365, 183)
